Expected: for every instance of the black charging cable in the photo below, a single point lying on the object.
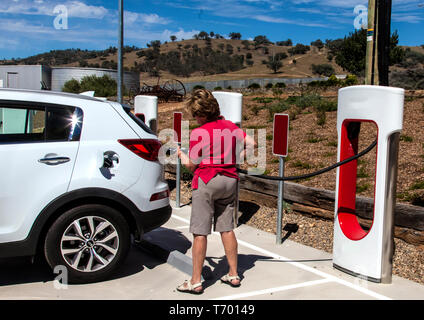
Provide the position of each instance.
(312, 174)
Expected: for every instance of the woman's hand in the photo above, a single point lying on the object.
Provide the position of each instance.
(185, 160)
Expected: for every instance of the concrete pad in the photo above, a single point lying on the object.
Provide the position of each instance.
(275, 271)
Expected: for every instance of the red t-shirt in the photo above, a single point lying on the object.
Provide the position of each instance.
(215, 147)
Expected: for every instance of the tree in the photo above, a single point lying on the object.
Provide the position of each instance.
(318, 43)
(299, 49)
(155, 44)
(173, 38)
(235, 36)
(246, 44)
(281, 55)
(287, 43)
(203, 35)
(397, 54)
(350, 52)
(261, 41)
(323, 69)
(274, 64)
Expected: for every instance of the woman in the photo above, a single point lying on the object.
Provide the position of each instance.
(214, 151)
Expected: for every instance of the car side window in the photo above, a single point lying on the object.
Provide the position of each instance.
(22, 124)
(63, 124)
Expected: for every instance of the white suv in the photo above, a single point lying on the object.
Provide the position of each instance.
(78, 177)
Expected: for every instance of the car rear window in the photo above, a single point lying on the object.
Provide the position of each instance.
(140, 123)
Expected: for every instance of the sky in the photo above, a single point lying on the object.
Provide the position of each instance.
(30, 27)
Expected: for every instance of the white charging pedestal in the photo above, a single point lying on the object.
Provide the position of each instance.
(147, 106)
(230, 105)
(367, 254)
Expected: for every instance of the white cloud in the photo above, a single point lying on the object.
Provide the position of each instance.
(407, 18)
(180, 34)
(7, 43)
(81, 10)
(146, 36)
(76, 9)
(288, 21)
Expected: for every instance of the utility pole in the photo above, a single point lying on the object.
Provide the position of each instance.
(384, 9)
(120, 51)
(371, 57)
(378, 42)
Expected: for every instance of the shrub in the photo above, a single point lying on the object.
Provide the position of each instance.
(103, 86)
(254, 86)
(323, 69)
(280, 85)
(406, 138)
(217, 88)
(350, 80)
(277, 108)
(299, 49)
(72, 86)
(411, 79)
(318, 43)
(333, 81)
(186, 175)
(280, 55)
(301, 165)
(287, 43)
(198, 86)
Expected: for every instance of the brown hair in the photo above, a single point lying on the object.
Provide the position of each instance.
(203, 104)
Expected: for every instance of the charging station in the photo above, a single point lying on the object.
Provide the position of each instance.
(231, 108)
(146, 109)
(230, 105)
(363, 253)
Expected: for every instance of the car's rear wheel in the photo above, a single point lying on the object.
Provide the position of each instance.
(91, 241)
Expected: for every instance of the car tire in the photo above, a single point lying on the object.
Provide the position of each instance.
(90, 241)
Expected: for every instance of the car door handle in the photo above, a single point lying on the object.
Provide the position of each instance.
(54, 160)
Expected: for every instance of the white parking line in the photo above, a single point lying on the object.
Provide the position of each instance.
(272, 290)
(182, 227)
(304, 267)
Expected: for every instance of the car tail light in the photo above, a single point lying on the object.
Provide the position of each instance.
(160, 195)
(145, 148)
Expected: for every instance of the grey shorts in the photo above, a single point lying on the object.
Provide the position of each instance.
(214, 203)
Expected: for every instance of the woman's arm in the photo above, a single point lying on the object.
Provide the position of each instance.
(249, 142)
(185, 160)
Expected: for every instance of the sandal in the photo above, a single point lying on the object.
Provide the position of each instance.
(187, 287)
(227, 279)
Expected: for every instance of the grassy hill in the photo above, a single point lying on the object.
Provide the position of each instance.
(108, 58)
(252, 65)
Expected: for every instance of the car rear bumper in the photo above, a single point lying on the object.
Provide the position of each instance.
(151, 220)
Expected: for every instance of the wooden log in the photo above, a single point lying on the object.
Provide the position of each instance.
(406, 215)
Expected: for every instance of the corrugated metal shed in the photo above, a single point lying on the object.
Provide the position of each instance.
(36, 77)
(24, 77)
